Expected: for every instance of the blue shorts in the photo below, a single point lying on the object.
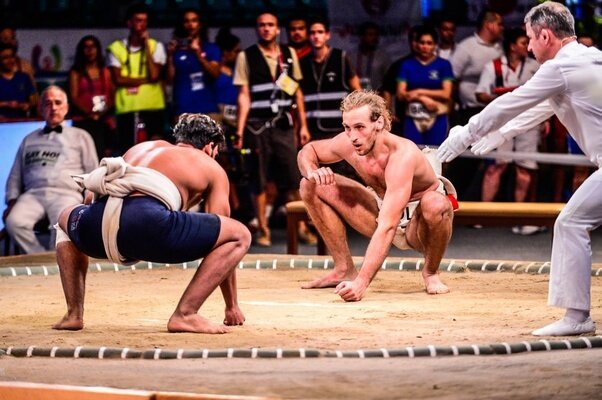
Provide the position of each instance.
(148, 231)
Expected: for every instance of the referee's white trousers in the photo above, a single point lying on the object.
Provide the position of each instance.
(30, 208)
(570, 274)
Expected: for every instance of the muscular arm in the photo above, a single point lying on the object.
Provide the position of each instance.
(216, 201)
(319, 152)
(398, 177)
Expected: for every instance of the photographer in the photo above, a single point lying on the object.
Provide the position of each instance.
(193, 65)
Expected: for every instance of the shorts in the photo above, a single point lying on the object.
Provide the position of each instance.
(400, 240)
(524, 143)
(148, 231)
(274, 158)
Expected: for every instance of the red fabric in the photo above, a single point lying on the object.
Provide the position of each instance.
(454, 202)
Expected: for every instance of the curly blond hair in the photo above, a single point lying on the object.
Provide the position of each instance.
(377, 105)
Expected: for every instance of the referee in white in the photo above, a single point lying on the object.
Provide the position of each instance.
(568, 84)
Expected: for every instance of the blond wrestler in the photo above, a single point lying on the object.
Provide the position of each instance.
(397, 173)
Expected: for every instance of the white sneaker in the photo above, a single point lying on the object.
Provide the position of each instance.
(527, 230)
(567, 327)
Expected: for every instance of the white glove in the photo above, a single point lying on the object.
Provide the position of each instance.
(458, 140)
(486, 144)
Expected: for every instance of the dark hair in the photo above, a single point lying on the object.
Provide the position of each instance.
(79, 62)
(487, 15)
(320, 20)
(226, 40)
(198, 130)
(4, 46)
(296, 18)
(7, 25)
(511, 36)
(179, 30)
(426, 30)
(367, 25)
(443, 19)
(412, 33)
(269, 11)
(137, 8)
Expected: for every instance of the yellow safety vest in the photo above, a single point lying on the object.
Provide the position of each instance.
(146, 97)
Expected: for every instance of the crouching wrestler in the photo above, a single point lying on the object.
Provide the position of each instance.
(138, 212)
(404, 203)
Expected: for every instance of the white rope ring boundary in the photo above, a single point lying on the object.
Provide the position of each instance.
(583, 342)
(396, 264)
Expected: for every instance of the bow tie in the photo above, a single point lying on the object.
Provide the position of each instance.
(58, 129)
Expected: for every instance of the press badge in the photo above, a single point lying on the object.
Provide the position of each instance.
(196, 81)
(287, 84)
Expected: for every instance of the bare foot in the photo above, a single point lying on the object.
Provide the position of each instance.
(331, 280)
(434, 285)
(69, 324)
(194, 323)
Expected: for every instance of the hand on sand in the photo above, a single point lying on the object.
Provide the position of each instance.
(351, 290)
(234, 316)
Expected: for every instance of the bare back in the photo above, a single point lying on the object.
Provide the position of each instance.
(196, 174)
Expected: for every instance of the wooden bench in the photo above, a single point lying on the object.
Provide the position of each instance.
(469, 213)
(507, 214)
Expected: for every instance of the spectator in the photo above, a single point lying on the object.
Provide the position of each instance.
(471, 56)
(193, 65)
(234, 161)
(468, 61)
(93, 95)
(8, 35)
(447, 38)
(389, 86)
(500, 76)
(327, 78)
(369, 61)
(425, 84)
(227, 92)
(298, 37)
(267, 75)
(135, 64)
(40, 183)
(17, 94)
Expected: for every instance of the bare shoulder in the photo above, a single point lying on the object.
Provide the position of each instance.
(402, 149)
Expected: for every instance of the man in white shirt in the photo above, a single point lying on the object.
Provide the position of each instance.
(469, 59)
(568, 84)
(471, 56)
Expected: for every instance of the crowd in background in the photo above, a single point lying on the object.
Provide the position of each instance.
(133, 89)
